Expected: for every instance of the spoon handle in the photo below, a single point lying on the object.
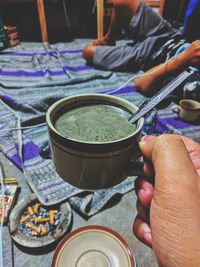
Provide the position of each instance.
(159, 96)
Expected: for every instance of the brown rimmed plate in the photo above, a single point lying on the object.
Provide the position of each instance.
(35, 242)
(93, 246)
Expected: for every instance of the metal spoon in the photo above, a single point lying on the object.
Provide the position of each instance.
(159, 96)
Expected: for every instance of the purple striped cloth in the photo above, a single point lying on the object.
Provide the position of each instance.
(34, 76)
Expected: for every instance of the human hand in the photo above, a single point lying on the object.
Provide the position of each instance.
(191, 55)
(103, 41)
(169, 211)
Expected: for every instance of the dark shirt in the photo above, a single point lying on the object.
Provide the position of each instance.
(192, 21)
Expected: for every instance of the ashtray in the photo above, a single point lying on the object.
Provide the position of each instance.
(32, 224)
(93, 246)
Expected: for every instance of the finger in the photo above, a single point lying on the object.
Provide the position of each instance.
(144, 191)
(194, 152)
(148, 168)
(142, 211)
(142, 231)
(169, 154)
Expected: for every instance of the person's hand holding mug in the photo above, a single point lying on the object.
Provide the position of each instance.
(168, 217)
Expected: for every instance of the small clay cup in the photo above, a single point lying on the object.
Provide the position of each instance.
(188, 110)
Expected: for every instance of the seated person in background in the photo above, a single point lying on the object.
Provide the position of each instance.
(168, 204)
(154, 41)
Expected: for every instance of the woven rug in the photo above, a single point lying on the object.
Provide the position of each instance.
(34, 76)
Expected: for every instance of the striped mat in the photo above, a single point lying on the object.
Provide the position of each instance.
(32, 77)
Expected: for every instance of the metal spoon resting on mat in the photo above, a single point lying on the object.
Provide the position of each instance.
(158, 97)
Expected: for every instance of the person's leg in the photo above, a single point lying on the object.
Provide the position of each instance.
(122, 13)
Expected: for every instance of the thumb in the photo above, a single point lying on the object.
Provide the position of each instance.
(171, 160)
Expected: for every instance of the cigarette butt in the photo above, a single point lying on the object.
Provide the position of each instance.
(51, 215)
(43, 230)
(52, 219)
(41, 220)
(36, 207)
(33, 227)
(25, 218)
(10, 180)
(33, 219)
(30, 210)
(53, 211)
(34, 233)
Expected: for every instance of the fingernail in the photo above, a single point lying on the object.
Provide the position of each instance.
(147, 138)
(147, 234)
(148, 237)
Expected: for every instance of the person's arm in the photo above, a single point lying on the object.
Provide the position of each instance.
(191, 56)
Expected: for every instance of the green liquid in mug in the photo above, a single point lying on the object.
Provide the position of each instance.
(95, 123)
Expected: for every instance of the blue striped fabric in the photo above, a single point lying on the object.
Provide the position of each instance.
(32, 77)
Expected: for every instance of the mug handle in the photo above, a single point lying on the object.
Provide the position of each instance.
(176, 109)
(135, 168)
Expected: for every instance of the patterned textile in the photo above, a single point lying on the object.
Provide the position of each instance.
(32, 77)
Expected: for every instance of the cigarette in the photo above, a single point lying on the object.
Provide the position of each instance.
(34, 233)
(51, 215)
(36, 207)
(54, 211)
(41, 220)
(33, 227)
(43, 230)
(30, 210)
(25, 218)
(10, 180)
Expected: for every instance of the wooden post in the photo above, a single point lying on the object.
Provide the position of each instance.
(100, 18)
(42, 18)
